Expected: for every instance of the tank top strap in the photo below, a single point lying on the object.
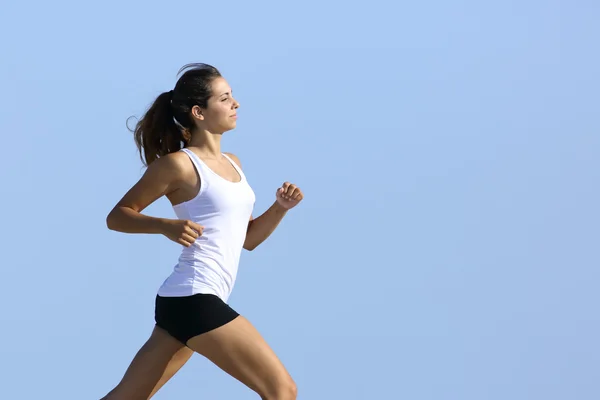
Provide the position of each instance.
(194, 158)
(236, 166)
(200, 168)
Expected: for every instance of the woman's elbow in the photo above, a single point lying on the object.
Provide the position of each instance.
(111, 220)
(249, 247)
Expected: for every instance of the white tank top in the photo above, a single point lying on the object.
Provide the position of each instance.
(223, 208)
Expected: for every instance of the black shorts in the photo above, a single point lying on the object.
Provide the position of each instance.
(189, 316)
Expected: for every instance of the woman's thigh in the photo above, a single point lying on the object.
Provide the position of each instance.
(153, 365)
(239, 349)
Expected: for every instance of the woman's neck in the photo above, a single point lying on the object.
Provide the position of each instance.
(207, 143)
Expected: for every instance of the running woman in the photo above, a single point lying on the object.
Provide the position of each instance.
(179, 140)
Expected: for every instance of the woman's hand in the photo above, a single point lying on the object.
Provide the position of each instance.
(289, 195)
(184, 232)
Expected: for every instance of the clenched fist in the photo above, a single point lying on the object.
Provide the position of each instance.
(183, 232)
(289, 195)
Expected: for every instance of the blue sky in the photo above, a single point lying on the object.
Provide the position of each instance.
(447, 247)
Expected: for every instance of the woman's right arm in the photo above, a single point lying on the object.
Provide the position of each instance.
(162, 177)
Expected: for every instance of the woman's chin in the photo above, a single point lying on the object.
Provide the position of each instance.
(228, 128)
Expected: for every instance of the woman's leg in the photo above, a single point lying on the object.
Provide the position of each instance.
(153, 365)
(238, 349)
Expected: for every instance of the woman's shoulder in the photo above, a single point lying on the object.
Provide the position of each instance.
(234, 158)
(176, 164)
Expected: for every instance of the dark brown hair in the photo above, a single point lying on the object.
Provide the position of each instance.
(166, 126)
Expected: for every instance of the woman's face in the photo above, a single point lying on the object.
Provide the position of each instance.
(220, 115)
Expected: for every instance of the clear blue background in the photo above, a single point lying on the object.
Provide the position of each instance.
(447, 247)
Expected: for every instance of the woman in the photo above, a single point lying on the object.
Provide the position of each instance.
(179, 140)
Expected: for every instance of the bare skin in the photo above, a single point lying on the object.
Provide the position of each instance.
(153, 366)
(236, 347)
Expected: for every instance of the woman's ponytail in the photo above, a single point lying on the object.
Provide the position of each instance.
(157, 134)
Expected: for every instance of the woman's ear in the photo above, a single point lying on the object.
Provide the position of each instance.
(197, 113)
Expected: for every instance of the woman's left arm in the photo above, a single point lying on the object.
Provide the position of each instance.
(259, 229)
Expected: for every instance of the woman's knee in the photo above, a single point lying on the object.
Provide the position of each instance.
(122, 392)
(284, 390)
(292, 389)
